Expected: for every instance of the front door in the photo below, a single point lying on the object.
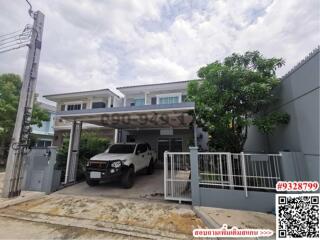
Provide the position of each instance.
(168, 144)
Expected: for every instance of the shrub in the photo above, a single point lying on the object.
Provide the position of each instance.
(90, 145)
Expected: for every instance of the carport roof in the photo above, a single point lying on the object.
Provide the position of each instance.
(71, 95)
(147, 116)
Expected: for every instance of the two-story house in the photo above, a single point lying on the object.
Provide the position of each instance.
(155, 113)
(167, 130)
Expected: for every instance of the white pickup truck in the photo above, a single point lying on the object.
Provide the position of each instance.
(120, 162)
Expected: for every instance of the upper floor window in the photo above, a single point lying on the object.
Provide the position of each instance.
(168, 100)
(138, 102)
(72, 107)
(98, 105)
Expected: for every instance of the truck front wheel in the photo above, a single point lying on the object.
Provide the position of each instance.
(127, 179)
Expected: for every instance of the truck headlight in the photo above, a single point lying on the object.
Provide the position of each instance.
(116, 164)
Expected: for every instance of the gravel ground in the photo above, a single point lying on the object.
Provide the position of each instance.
(151, 215)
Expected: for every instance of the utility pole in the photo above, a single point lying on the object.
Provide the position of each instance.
(21, 134)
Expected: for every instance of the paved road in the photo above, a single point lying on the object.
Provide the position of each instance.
(20, 229)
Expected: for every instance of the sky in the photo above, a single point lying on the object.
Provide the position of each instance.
(92, 44)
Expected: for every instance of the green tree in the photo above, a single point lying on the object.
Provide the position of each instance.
(90, 144)
(10, 86)
(234, 95)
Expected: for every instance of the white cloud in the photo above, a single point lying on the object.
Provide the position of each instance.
(97, 44)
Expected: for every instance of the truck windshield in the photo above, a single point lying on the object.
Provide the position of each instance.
(122, 148)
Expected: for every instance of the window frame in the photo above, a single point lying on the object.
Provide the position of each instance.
(105, 104)
(167, 95)
(140, 99)
(67, 104)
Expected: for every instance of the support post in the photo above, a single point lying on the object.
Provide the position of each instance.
(73, 152)
(244, 173)
(165, 173)
(195, 189)
(195, 133)
(20, 137)
(230, 173)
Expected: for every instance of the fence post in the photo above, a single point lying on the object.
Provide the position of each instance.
(244, 173)
(230, 173)
(195, 189)
(165, 165)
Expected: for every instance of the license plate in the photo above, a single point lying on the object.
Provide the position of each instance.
(95, 174)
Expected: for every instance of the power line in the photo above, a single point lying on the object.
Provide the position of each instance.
(13, 48)
(3, 35)
(30, 9)
(25, 33)
(15, 40)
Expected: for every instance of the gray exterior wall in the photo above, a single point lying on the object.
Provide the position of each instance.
(299, 97)
(236, 199)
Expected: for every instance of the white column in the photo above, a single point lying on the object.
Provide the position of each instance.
(110, 101)
(73, 152)
(116, 133)
(146, 98)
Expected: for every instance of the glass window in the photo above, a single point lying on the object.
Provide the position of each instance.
(142, 148)
(168, 100)
(72, 107)
(122, 148)
(138, 102)
(98, 105)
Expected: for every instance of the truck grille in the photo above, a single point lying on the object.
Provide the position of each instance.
(98, 165)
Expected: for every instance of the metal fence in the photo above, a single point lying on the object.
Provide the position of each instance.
(238, 171)
(256, 172)
(177, 176)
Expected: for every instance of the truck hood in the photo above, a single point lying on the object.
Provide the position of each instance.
(109, 157)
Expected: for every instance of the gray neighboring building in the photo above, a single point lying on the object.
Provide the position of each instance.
(299, 97)
(44, 134)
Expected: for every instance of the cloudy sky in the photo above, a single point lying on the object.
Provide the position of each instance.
(91, 44)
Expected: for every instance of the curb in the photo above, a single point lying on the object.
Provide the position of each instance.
(22, 198)
(205, 218)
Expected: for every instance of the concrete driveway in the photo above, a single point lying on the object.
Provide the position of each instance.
(145, 187)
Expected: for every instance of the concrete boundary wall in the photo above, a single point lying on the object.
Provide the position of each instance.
(236, 199)
(291, 167)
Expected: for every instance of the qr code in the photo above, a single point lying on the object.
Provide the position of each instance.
(297, 216)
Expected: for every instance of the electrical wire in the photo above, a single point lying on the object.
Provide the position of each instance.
(12, 41)
(30, 9)
(24, 33)
(3, 35)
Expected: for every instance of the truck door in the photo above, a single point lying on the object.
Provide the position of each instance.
(141, 156)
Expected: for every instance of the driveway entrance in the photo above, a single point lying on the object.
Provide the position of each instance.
(145, 187)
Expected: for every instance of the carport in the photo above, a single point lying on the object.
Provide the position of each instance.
(164, 117)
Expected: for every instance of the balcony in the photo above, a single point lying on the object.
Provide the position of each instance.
(146, 116)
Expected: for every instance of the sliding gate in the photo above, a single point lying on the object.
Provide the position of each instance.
(221, 170)
(177, 176)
